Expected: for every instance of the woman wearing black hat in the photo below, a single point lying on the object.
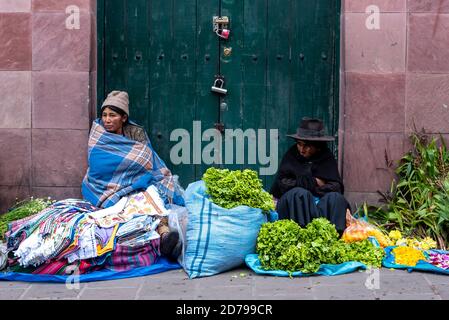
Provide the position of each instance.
(308, 184)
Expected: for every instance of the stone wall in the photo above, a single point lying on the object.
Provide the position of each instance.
(46, 89)
(392, 77)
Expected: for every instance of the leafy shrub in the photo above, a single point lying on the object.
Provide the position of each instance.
(22, 210)
(418, 204)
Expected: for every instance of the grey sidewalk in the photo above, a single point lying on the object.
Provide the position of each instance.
(241, 284)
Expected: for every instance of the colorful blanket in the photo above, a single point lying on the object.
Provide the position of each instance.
(119, 166)
(123, 258)
(44, 244)
(20, 230)
(161, 265)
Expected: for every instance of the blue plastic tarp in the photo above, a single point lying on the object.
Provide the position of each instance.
(388, 262)
(252, 261)
(162, 265)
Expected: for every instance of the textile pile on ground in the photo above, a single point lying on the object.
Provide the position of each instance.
(74, 234)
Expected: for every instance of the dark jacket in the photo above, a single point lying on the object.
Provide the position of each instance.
(297, 171)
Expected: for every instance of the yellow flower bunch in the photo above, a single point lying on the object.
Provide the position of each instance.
(407, 256)
(395, 235)
(414, 243)
(428, 243)
(381, 238)
(396, 239)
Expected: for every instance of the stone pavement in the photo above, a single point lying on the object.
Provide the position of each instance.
(243, 284)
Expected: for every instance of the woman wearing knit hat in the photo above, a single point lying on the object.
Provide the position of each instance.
(122, 161)
(115, 117)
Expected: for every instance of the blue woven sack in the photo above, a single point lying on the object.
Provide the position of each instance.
(217, 239)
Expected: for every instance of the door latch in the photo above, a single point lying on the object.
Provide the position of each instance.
(221, 26)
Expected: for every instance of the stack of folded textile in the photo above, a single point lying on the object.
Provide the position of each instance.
(73, 233)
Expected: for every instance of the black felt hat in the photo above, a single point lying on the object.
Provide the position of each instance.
(311, 130)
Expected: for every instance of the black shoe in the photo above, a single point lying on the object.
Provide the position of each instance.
(168, 242)
(177, 250)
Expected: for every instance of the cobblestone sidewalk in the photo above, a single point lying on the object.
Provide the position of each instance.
(243, 284)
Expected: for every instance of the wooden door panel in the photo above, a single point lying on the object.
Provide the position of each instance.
(283, 66)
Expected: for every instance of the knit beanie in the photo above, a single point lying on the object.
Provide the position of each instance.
(118, 99)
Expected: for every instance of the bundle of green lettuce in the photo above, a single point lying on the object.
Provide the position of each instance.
(284, 245)
(231, 188)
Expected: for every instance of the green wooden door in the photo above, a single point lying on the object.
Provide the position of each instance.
(283, 66)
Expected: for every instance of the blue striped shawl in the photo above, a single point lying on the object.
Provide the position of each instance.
(119, 166)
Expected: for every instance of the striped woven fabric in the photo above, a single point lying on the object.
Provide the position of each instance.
(59, 227)
(126, 257)
(62, 267)
(123, 258)
(19, 230)
(119, 166)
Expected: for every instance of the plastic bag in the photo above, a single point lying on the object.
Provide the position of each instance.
(177, 221)
(3, 256)
(359, 229)
(178, 198)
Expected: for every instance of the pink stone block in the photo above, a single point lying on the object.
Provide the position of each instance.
(15, 104)
(15, 41)
(59, 157)
(61, 100)
(375, 103)
(93, 43)
(15, 5)
(93, 7)
(357, 199)
(57, 48)
(364, 165)
(428, 44)
(61, 5)
(57, 193)
(376, 51)
(93, 96)
(10, 195)
(428, 102)
(436, 6)
(383, 5)
(16, 162)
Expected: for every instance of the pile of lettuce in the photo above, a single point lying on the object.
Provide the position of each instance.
(284, 245)
(231, 188)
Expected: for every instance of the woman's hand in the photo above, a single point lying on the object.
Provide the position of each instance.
(348, 217)
(320, 182)
(285, 184)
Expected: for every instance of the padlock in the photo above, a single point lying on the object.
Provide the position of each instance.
(224, 33)
(218, 86)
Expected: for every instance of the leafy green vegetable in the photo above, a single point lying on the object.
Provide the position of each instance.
(284, 245)
(274, 238)
(363, 251)
(230, 189)
(22, 210)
